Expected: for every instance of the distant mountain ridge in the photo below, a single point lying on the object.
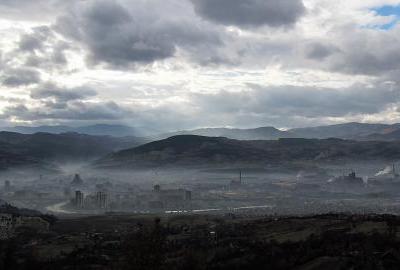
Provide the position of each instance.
(389, 135)
(95, 130)
(354, 131)
(261, 133)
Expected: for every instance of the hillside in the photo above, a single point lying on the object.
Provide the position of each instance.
(9, 159)
(41, 148)
(184, 150)
(262, 133)
(392, 135)
(191, 150)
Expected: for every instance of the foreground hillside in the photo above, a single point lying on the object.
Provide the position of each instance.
(234, 241)
(190, 150)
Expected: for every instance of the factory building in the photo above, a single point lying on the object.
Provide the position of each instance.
(348, 180)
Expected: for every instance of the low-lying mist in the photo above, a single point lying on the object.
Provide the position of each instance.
(293, 188)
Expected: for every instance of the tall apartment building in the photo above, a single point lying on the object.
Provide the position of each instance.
(101, 200)
(79, 199)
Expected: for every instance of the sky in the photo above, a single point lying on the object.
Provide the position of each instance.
(180, 64)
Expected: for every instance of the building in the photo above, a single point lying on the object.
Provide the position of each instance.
(387, 176)
(9, 223)
(101, 200)
(348, 180)
(79, 199)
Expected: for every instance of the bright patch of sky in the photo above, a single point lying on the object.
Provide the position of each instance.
(388, 11)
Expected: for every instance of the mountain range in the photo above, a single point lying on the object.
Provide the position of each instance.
(212, 146)
(354, 131)
(192, 150)
(96, 130)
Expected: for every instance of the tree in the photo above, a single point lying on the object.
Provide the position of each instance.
(145, 249)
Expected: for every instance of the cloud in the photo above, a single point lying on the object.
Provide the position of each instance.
(62, 94)
(369, 52)
(37, 10)
(251, 13)
(298, 102)
(120, 37)
(283, 62)
(37, 52)
(20, 77)
(76, 110)
(52, 102)
(114, 37)
(254, 105)
(318, 50)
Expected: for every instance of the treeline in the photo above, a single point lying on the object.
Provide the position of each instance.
(161, 247)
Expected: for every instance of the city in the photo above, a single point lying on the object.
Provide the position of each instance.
(199, 134)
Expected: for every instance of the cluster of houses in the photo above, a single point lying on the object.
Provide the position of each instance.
(10, 223)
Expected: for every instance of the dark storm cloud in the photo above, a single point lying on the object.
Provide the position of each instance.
(19, 77)
(62, 94)
(250, 13)
(115, 38)
(120, 37)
